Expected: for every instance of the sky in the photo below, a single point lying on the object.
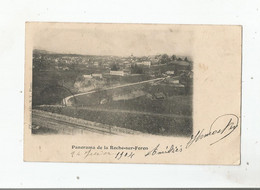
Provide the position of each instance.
(114, 39)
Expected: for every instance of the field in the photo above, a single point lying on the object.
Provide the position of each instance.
(175, 101)
(181, 105)
(170, 116)
(160, 125)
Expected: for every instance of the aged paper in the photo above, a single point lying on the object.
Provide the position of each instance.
(132, 93)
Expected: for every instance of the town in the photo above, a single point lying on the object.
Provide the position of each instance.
(151, 94)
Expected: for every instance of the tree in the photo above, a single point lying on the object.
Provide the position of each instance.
(135, 69)
(174, 58)
(157, 56)
(164, 59)
(114, 67)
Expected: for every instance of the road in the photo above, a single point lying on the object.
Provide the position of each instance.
(65, 101)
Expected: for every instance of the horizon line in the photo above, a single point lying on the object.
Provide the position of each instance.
(64, 53)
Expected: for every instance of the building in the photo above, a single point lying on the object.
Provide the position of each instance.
(159, 96)
(87, 76)
(97, 75)
(169, 73)
(117, 73)
(174, 81)
(144, 63)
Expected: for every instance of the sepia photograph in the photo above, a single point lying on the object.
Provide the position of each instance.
(110, 82)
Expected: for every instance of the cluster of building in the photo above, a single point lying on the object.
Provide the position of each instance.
(100, 65)
(92, 61)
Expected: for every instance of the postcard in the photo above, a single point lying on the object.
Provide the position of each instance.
(132, 93)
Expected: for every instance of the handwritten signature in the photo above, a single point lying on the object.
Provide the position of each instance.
(221, 128)
(167, 150)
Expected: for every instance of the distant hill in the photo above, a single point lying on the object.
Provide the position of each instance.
(39, 51)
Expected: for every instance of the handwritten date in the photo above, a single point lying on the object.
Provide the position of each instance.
(123, 154)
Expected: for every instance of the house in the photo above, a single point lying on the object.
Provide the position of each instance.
(169, 72)
(117, 73)
(97, 75)
(144, 63)
(174, 81)
(87, 76)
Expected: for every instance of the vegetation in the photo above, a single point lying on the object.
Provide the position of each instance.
(159, 125)
(164, 59)
(115, 67)
(135, 69)
(51, 87)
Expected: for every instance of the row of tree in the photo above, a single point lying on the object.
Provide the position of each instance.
(164, 59)
(135, 69)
